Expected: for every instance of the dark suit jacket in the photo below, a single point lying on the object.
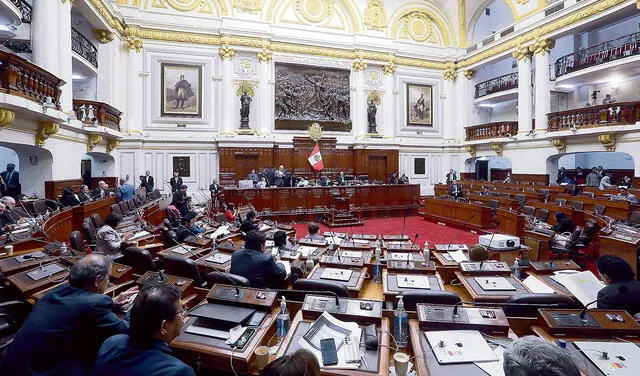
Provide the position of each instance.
(175, 183)
(147, 183)
(247, 226)
(118, 357)
(455, 190)
(259, 268)
(214, 188)
(62, 334)
(614, 299)
(565, 225)
(179, 200)
(13, 187)
(99, 193)
(84, 196)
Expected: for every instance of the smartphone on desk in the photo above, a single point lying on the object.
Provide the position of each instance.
(329, 352)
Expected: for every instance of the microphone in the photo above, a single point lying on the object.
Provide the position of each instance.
(621, 289)
(412, 244)
(404, 220)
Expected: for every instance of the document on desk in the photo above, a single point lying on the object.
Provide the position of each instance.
(222, 230)
(333, 240)
(264, 227)
(219, 258)
(182, 250)
(458, 256)
(583, 285)
(336, 274)
(286, 265)
(460, 346)
(305, 250)
(495, 284)
(327, 326)
(494, 368)
(350, 254)
(139, 235)
(536, 286)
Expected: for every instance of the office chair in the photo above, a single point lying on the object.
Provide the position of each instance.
(542, 215)
(562, 301)
(89, 230)
(77, 242)
(570, 248)
(579, 205)
(13, 313)
(599, 209)
(224, 278)
(181, 266)
(529, 211)
(317, 285)
(97, 220)
(412, 298)
(115, 208)
(139, 259)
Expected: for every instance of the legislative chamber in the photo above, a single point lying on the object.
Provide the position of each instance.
(319, 187)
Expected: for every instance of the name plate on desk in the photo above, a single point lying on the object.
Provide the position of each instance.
(484, 268)
(441, 317)
(369, 311)
(495, 284)
(350, 254)
(45, 271)
(336, 274)
(247, 297)
(451, 247)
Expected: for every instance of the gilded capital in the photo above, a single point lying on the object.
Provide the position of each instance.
(133, 44)
(7, 117)
(389, 68)
(103, 36)
(608, 140)
(359, 65)
(497, 148)
(45, 129)
(265, 56)
(469, 74)
(112, 144)
(450, 74)
(94, 139)
(560, 144)
(543, 46)
(471, 149)
(522, 53)
(226, 52)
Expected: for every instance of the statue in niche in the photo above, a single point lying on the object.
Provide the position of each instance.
(371, 116)
(245, 103)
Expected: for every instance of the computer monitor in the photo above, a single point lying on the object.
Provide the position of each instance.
(245, 184)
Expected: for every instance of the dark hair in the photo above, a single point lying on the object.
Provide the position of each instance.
(313, 228)
(153, 305)
(279, 238)
(300, 363)
(615, 268)
(113, 219)
(230, 206)
(561, 215)
(187, 218)
(478, 252)
(254, 240)
(88, 270)
(250, 216)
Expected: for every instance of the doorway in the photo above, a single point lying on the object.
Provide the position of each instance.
(85, 171)
(482, 170)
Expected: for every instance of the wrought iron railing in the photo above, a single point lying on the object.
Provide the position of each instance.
(22, 78)
(25, 10)
(623, 113)
(97, 113)
(498, 84)
(83, 47)
(491, 130)
(605, 52)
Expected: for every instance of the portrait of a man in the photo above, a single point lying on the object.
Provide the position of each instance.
(419, 105)
(181, 90)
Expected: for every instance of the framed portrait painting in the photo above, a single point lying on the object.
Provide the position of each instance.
(182, 165)
(181, 90)
(419, 105)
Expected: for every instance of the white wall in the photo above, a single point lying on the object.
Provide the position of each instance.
(35, 166)
(612, 31)
(8, 156)
(499, 18)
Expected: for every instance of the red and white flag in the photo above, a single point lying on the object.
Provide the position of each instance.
(315, 159)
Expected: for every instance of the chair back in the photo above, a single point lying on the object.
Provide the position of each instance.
(183, 267)
(115, 208)
(138, 259)
(317, 285)
(560, 201)
(587, 194)
(535, 301)
(634, 217)
(577, 204)
(493, 204)
(529, 211)
(520, 197)
(599, 209)
(40, 207)
(412, 298)
(89, 230)
(123, 207)
(97, 220)
(542, 215)
(76, 240)
(226, 278)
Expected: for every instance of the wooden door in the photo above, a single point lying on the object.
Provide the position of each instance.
(377, 167)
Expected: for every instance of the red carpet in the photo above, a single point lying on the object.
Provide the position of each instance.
(427, 231)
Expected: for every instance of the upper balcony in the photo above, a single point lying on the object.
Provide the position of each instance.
(94, 113)
(623, 113)
(24, 79)
(497, 89)
(491, 130)
(81, 46)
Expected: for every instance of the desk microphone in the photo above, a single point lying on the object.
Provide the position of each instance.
(404, 220)
(621, 289)
(412, 244)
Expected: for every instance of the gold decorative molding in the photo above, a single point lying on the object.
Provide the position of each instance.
(226, 52)
(608, 140)
(498, 148)
(543, 46)
(469, 74)
(93, 140)
(560, 144)
(7, 117)
(471, 149)
(389, 68)
(374, 96)
(522, 53)
(359, 65)
(45, 129)
(375, 18)
(638, 4)
(242, 86)
(315, 132)
(103, 36)
(108, 17)
(450, 72)
(265, 56)
(248, 6)
(132, 39)
(112, 144)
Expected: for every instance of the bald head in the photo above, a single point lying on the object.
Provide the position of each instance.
(2, 208)
(91, 273)
(8, 201)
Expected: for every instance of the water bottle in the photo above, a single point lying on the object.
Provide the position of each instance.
(516, 268)
(377, 273)
(400, 322)
(283, 321)
(426, 253)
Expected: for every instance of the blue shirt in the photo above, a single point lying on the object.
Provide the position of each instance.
(118, 357)
(126, 192)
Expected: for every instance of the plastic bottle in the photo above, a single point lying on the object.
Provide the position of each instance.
(400, 328)
(516, 268)
(377, 268)
(283, 320)
(426, 253)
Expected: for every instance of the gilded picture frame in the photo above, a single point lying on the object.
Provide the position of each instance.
(181, 94)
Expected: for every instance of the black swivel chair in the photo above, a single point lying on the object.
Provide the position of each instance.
(12, 314)
(226, 278)
(97, 220)
(542, 215)
(139, 259)
(89, 230)
(78, 243)
(529, 211)
(115, 208)
(316, 285)
(183, 267)
(535, 301)
(412, 298)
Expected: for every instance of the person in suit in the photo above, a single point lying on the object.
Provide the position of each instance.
(247, 225)
(146, 181)
(100, 191)
(280, 175)
(69, 198)
(622, 291)
(253, 177)
(11, 179)
(451, 176)
(259, 268)
(215, 190)
(340, 179)
(175, 182)
(156, 319)
(126, 190)
(564, 224)
(455, 189)
(108, 240)
(180, 200)
(185, 231)
(66, 327)
(85, 194)
(313, 231)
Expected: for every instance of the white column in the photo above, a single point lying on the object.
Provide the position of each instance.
(359, 103)
(524, 93)
(107, 85)
(228, 94)
(134, 92)
(543, 100)
(64, 55)
(388, 101)
(450, 105)
(265, 100)
(44, 35)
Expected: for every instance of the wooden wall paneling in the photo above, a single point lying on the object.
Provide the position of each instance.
(531, 178)
(282, 156)
(111, 180)
(53, 188)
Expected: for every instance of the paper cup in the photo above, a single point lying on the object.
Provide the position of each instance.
(309, 264)
(401, 361)
(261, 357)
(8, 250)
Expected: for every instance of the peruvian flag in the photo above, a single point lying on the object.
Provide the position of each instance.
(315, 159)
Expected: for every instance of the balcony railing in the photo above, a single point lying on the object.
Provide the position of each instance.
(496, 85)
(25, 10)
(622, 113)
(97, 114)
(605, 52)
(22, 78)
(83, 47)
(491, 130)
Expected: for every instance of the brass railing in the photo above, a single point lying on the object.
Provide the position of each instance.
(97, 113)
(497, 84)
(622, 113)
(491, 130)
(22, 78)
(83, 47)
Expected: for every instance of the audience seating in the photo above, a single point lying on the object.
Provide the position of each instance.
(560, 201)
(12, 314)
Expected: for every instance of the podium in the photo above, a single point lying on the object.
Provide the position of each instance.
(339, 214)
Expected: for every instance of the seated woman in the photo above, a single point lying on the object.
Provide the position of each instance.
(300, 363)
(108, 240)
(247, 225)
(280, 242)
(622, 290)
(564, 224)
(230, 213)
(478, 252)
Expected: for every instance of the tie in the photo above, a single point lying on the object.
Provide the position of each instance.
(9, 177)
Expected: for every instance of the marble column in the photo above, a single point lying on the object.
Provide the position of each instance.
(359, 103)
(134, 84)
(228, 93)
(450, 105)
(523, 55)
(543, 86)
(467, 101)
(265, 112)
(44, 35)
(389, 102)
(64, 55)
(108, 65)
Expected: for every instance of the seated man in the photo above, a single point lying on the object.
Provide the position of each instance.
(186, 231)
(313, 231)
(69, 198)
(300, 363)
(252, 263)
(455, 189)
(156, 319)
(108, 240)
(533, 356)
(622, 290)
(280, 242)
(624, 195)
(180, 200)
(101, 191)
(5, 220)
(85, 194)
(262, 183)
(64, 331)
(247, 225)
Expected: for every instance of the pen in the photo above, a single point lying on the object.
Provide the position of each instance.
(364, 360)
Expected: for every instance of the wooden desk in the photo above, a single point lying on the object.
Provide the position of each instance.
(354, 284)
(9, 265)
(546, 267)
(185, 285)
(480, 295)
(557, 287)
(622, 247)
(615, 209)
(510, 222)
(27, 285)
(458, 213)
(391, 289)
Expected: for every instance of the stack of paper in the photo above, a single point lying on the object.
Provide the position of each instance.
(583, 285)
(327, 326)
(458, 256)
(536, 286)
